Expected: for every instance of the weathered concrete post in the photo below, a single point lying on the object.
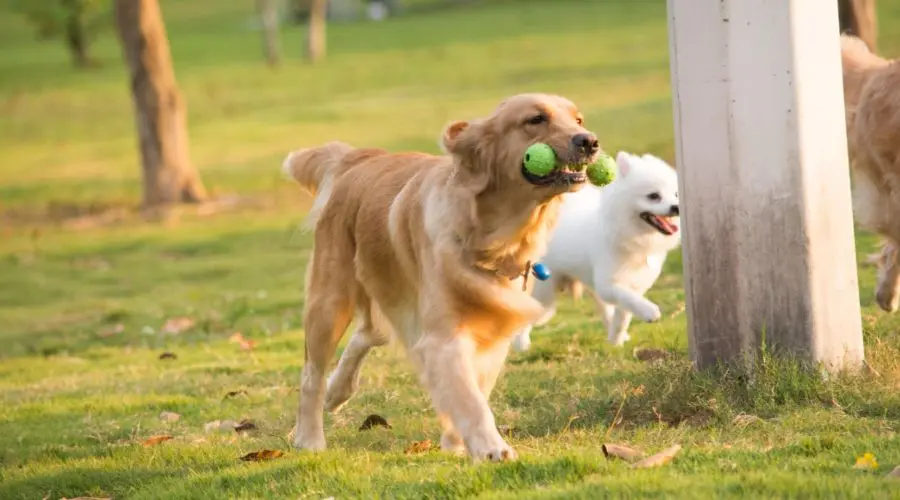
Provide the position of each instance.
(761, 149)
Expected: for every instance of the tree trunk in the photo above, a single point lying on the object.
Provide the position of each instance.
(76, 40)
(268, 15)
(858, 17)
(160, 114)
(315, 34)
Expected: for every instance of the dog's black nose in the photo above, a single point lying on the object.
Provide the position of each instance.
(673, 210)
(586, 143)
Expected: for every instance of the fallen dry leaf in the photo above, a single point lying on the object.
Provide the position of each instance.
(232, 394)
(155, 440)
(168, 355)
(220, 425)
(169, 416)
(894, 474)
(866, 461)
(621, 452)
(85, 498)
(418, 447)
(113, 330)
(245, 425)
(649, 354)
(244, 343)
(174, 326)
(259, 456)
(660, 458)
(745, 419)
(374, 420)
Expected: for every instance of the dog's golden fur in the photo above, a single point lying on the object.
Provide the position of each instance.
(872, 105)
(431, 249)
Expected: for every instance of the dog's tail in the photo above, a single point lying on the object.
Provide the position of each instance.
(316, 169)
(858, 63)
(855, 55)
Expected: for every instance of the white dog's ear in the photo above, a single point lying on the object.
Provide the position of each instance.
(623, 160)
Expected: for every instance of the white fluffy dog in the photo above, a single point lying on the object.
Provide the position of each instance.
(615, 240)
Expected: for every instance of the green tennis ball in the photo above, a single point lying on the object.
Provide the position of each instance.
(540, 159)
(602, 171)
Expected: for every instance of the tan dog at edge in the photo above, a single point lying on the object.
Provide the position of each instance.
(433, 249)
(872, 105)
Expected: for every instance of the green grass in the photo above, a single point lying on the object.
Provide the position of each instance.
(78, 392)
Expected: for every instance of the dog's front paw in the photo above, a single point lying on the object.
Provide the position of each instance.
(310, 443)
(491, 449)
(503, 453)
(649, 312)
(309, 439)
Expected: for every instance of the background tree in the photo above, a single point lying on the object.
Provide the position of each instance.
(858, 17)
(160, 113)
(76, 21)
(315, 30)
(269, 20)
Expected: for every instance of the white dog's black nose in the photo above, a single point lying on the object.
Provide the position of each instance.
(673, 210)
(586, 143)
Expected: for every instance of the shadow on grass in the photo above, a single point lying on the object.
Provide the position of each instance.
(672, 393)
(75, 482)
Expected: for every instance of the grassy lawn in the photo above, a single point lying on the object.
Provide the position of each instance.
(85, 296)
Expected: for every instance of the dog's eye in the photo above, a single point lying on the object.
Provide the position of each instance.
(537, 119)
(579, 121)
(654, 197)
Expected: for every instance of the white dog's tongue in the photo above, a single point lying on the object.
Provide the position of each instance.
(667, 223)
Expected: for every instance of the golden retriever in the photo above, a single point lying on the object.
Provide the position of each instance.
(872, 105)
(434, 250)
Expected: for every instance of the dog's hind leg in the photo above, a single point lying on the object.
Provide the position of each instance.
(887, 292)
(329, 310)
(344, 381)
(618, 327)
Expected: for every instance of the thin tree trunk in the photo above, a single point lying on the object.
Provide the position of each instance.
(268, 14)
(160, 114)
(76, 40)
(858, 17)
(315, 34)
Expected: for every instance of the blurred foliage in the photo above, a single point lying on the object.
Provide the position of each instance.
(77, 21)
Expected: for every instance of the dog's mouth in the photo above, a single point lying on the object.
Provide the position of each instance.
(662, 224)
(565, 175)
(570, 170)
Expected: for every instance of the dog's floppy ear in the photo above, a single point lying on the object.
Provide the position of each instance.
(460, 138)
(450, 141)
(623, 160)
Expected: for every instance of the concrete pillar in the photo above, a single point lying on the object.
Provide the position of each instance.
(761, 148)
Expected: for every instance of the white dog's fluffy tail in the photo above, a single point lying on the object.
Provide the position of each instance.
(315, 169)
